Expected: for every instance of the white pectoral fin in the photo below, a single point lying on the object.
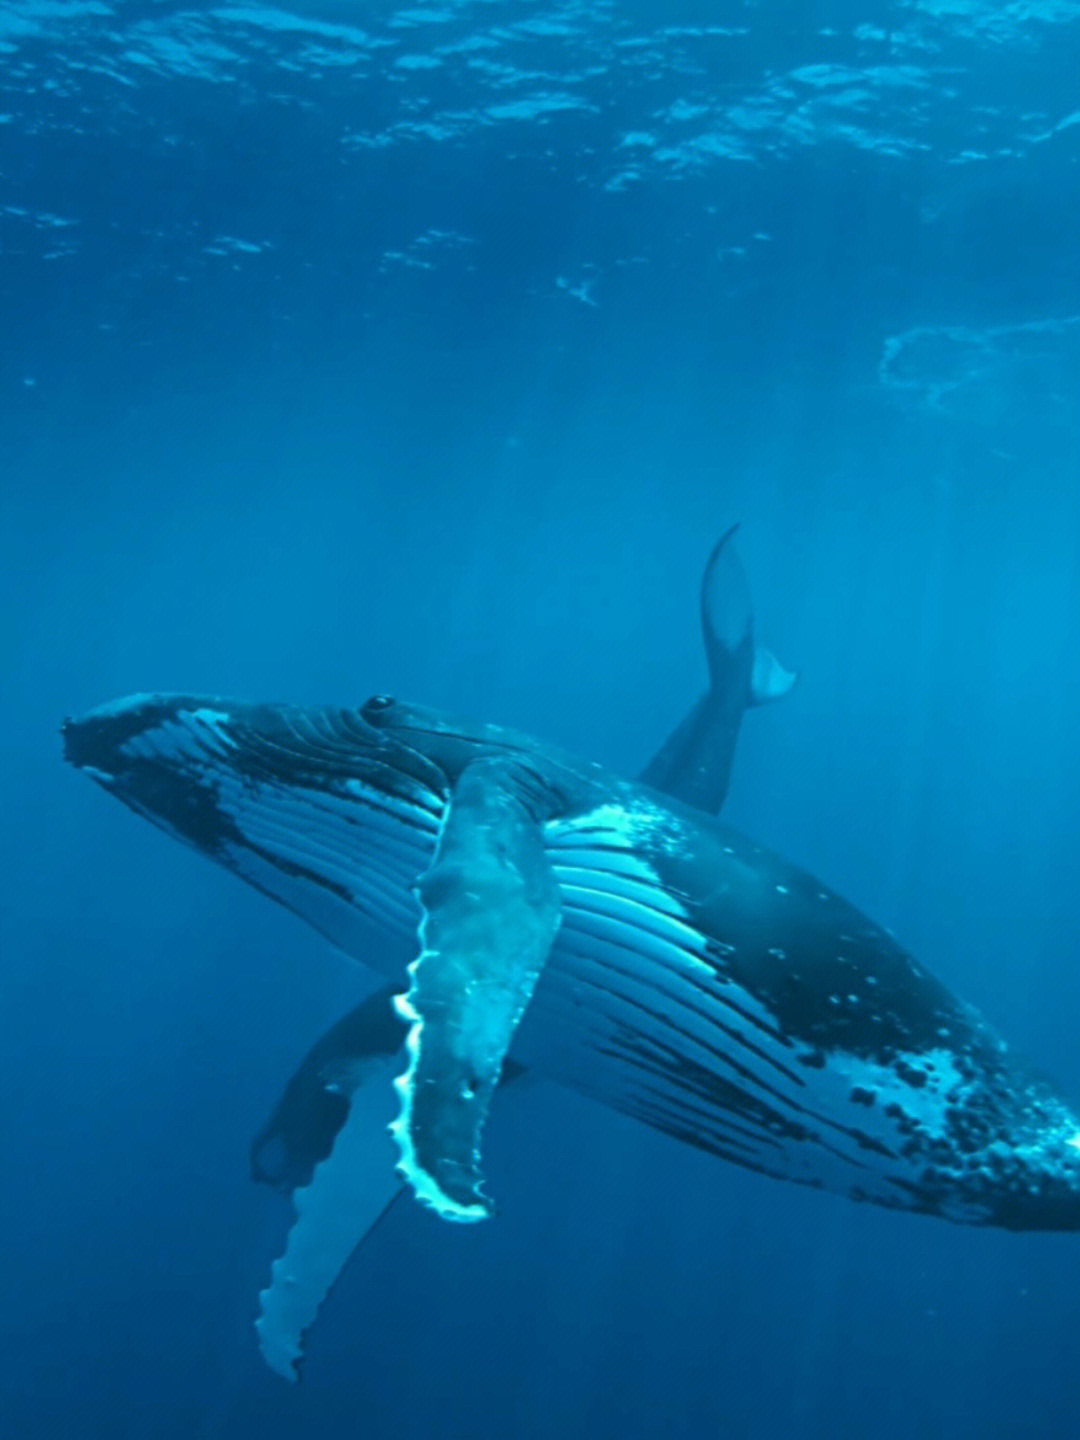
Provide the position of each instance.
(491, 910)
(349, 1191)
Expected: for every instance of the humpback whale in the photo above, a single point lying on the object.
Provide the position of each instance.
(614, 935)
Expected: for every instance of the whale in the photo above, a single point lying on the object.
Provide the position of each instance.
(614, 935)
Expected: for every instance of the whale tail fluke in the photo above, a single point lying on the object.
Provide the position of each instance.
(768, 679)
(694, 763)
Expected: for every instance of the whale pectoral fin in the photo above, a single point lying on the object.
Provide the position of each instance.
(328, 1143)
(348, 1193)
(490, 912)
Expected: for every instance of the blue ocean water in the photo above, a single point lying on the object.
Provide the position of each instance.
(347, 348)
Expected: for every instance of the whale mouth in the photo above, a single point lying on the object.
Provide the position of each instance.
(157, 754)
(96, 741)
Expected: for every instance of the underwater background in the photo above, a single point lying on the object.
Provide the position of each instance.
(347, 348)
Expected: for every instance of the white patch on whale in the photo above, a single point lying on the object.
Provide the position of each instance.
(214, 721)
(633, 825)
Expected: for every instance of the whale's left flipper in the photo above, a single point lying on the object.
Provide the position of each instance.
(348, 1193)
(327, 1142)
(491, 910)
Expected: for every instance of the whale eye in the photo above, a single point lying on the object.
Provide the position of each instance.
(377, 703)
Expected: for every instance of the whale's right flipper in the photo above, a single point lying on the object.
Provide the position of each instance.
(694, 763)
(491, 908)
